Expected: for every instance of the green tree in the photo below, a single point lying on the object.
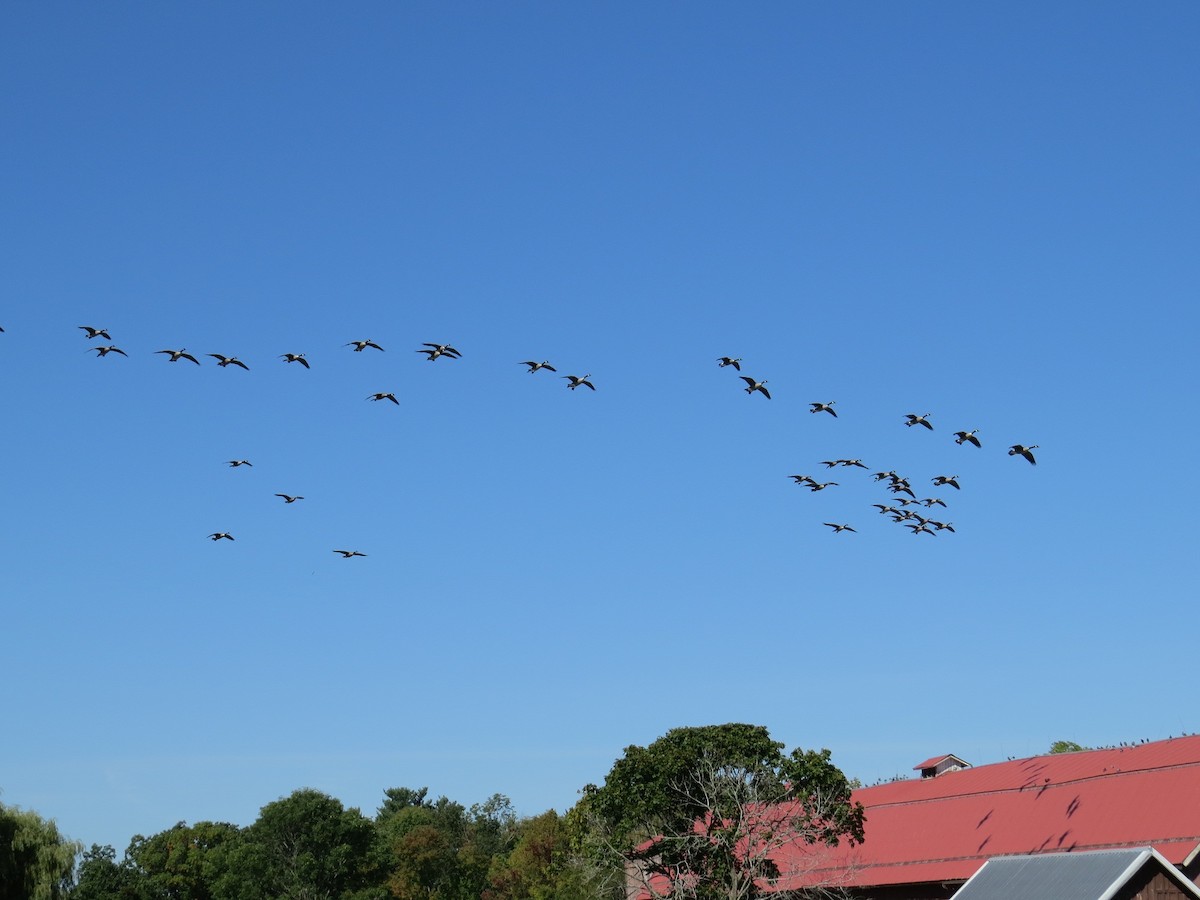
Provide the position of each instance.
(36, 861)
(541, 865)
(1067, 747)
(702, 813)
(185, 861)
(305, 846)
(101, 877)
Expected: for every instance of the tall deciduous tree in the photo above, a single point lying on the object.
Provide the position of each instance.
(704, 813)
(36, 861)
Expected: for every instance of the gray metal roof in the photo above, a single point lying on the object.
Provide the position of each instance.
(1091, 875)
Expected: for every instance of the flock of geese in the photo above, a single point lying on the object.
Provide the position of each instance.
(904, 507)
(898, 509)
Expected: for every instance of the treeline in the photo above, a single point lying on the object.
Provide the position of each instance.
(308, 846)
(682, 817)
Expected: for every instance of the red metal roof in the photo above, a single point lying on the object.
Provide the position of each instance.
(944, 828)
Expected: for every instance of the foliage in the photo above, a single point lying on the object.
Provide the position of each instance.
(185, 861)
(101, 877)
(1067, 747)
(702, 812)
(36, 861)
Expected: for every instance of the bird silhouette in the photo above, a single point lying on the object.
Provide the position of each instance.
(224, 361)
(756, 386)
(437, 350)
(234, 463)
(346, 554)
(104, 351)
(177, 355)
(295, 357)
(217, 535)
(534, 366)
(1023, 451)
(383, 396)
(360, 346)
(730, 361)
(837, 529)
(576, 381)
(93, 332)
(287, 498)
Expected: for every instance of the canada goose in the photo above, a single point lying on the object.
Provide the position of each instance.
(534, 366)
(295, 357)
(884, 509)
(879, 476)
(914, 419)
(944, 526)
(921, 529)
(359, 346)
(287, 498)
(104, 351)
(224, 361)
(907, 502)
(234, 463)
(730, 361)
(818, 486)
(838, 529)
(440, 350)
(830, 463)
(217, 535)
(823, 407)
(852, 462)
(902, 489)
(951, 480)
(179, 354)
(94, 332)
(931, 501)
(346, 554)
(576, 381)
(383, 396)
(961, 436)
(802, 479)
(756, 386)
(1024, 451)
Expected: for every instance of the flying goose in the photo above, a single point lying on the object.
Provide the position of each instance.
(818, 486)
(838, 529)
(914, 419)
(951, 480)
(287, 498)
(930, 501)
(179, 354)
(234, 463)
(383, 396)
(730, 361)
(104, 351)
(534, 366)
(359, 346)
(852, 462)
(576, 381)
(217, 535)
(295, 357)
(96, 332)
(961, 436)
(1024, 451)
(823, 407)
(440, 350)
(346, 554)
(802, 479)
(224, 361)
(756, 386)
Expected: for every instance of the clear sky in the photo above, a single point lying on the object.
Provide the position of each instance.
(984, 211)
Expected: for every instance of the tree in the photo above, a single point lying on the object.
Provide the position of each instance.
(36, 861)
(541, 865)
(185, 861)
(1067, 747)
(305, 846)
(101, 877)
(703, 813)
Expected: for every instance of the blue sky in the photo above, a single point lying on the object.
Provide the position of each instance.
(986, 212)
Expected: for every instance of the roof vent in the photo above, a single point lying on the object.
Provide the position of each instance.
(940, 765)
